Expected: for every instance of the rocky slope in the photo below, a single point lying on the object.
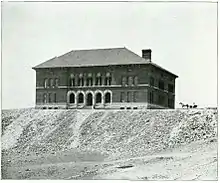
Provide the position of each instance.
(115, 135)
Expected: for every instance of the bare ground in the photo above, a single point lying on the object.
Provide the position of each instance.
(197, 161)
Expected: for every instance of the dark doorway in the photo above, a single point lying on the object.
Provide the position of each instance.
(89, 99)
(80, 98)
(107, 97)
(72, 98)
(98, 98)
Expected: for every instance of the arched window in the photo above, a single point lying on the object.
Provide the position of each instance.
(98, 80)
(72, 98)
(98, 98)
(72, 80)
(45, 83)
(107, 97)
(135, 80)
(51, 82)
(89, 99)
(81, 80)
(56, 82)
(124, 81)
(108, 79)
(130, 80)
(80, 98)
(89, 81)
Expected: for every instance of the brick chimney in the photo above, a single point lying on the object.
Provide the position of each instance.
(146, 54)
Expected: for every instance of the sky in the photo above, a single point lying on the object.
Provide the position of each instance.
(182, 36)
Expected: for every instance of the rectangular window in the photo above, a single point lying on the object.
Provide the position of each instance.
(161, 99)
(151, 97)
(161, 85)
(135, 96)
(151, 81)
(170, 88)
(170, 103)
(45, 98)
(129, 96)
(49, 97)
(55, 97)
(122, 99)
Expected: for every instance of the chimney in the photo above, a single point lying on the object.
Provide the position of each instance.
(146, 54)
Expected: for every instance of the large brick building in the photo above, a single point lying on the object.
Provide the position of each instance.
(104, 78)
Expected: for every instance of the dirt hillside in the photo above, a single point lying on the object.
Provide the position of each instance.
(112, 135)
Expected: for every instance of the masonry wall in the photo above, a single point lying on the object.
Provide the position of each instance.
(143, 72)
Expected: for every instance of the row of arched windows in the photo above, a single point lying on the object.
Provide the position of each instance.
(89, 98)
(130, 80)
(89, 80)
(51, 82)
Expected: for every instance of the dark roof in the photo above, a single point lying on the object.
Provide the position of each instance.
(96, 57)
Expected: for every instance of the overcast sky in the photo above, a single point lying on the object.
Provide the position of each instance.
(182, 36)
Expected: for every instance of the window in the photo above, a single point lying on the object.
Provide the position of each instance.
(161, 85)
(55, 97)
(72, 82)
(45, 83)
(135, 80)
(80, 82)
(124, 81)
(161, 99)
(170, 88)
(45, 98)
(108, 79)
(129, 96)
(107, 97)
(151, 81)
(56, 82)
(49, 97)
(135, 96)
(51, 83)
(170, 103)
(130, 80)
(151, 97)
(72, 98)
(98, 98)
(98, 79)
(89, 81)
(80, 98)
(122, 98)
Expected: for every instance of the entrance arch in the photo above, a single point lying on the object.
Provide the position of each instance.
(80, 98)
(89, 99)
(72, 98)
(107, 97)
(98, 98)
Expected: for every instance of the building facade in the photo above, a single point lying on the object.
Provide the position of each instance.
(104, 78)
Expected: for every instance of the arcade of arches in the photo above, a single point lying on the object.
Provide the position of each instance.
(89, 98)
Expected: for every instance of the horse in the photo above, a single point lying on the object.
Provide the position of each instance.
(184, 105)
(194, 105)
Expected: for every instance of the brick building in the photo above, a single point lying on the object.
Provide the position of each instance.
(104, 78)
